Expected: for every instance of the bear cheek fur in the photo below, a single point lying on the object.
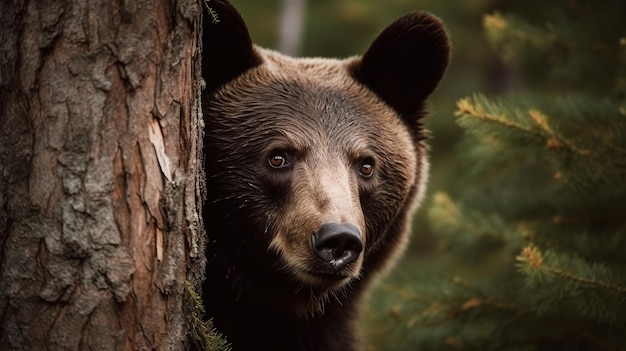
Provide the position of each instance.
(388, 208)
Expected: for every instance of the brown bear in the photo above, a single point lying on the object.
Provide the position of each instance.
(313, 169)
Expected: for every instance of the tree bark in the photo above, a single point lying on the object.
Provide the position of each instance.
(99, 173)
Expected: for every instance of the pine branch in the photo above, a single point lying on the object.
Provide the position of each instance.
(202, 333)
(466, 228)
(515, 38)
(593, 289)
(531, 263)
(564, 45)
(427, 310)
(214, 17)
(583, 147)
(484, 111)
(510, 37)
(475, 315)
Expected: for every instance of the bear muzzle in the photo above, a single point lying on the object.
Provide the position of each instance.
(337, 245)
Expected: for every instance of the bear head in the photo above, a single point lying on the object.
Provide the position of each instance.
(313, 165)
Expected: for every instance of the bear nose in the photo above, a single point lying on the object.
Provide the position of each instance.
(338, 244)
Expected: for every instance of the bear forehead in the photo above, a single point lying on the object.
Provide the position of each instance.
(323, 71)
(310, 101)
(320, 90)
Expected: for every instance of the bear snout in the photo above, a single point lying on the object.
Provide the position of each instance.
(337, 244)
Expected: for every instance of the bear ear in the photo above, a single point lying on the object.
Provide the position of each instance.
(227, 50)
(405, 63)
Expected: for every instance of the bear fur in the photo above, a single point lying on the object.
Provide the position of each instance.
(313, 169)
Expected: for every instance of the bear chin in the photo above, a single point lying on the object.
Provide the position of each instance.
(320, 275)
(325, 281)
(299, 298)
(318, 289)
(314, 299)
(304, 293)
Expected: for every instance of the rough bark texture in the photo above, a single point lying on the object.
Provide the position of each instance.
(98, 173)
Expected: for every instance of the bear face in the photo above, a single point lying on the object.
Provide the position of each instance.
(306, 147)
(313, 169)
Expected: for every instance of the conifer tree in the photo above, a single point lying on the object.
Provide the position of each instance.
(532, 252)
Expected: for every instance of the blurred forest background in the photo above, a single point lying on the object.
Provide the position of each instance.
(520, 242)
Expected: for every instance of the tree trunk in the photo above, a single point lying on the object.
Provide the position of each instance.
(98, 173)
(291, 26)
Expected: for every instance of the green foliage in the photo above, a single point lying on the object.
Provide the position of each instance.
(583, 138)
(566, 44)
(532, 231)
(212, 13)
(202, 334)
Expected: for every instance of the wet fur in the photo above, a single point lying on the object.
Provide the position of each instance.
(328, 113)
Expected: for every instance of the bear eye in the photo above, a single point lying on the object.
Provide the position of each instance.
(278, 161)
(367, 167)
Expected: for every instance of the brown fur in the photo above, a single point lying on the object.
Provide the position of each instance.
(266, 287)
